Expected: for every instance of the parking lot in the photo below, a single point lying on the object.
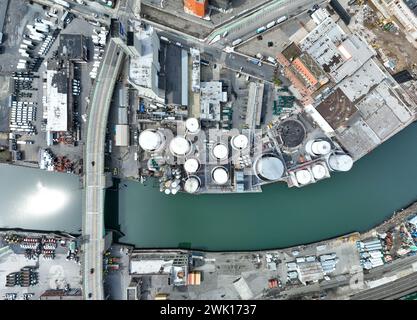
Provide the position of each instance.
(29, 88)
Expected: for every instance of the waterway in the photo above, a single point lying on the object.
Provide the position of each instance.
(379, 184)
(39, 200)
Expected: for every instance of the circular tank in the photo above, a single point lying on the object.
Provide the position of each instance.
(191, 165)
(292, 133)
(321, 147)
(167, 191)
(192, 125)
(192, 184)
(340, 162)
(179, 146)
(269, 167)
(220, 175)
(303, 176)
(150, 140)
(319, 171)
(220, 151)
(239, 142)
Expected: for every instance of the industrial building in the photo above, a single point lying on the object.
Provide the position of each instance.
(57, 98)
(196, 7)
(122, 135)
(172, 266)
(211, 97)
(144, 62)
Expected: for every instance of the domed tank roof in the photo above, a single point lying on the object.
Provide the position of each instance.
(179, 146)
(192, 125)
(321, 147)
(303, 176)
(319, 171)
(220, 151)
(269, 167)
(220, 175)
(192, 184)
(191, 165)
(239, 142)
(150, 140)
(340, 162)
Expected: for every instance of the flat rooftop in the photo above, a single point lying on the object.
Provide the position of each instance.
(336, 109)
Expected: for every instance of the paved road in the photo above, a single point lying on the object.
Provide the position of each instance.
(245, 27)
(233, 61)
(94, 178)
(389, 291)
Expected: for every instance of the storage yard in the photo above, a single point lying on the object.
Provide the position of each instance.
(39, 266)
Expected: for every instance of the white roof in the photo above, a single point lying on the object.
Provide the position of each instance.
(240, 141)
(303, 176)
(319, 171)
(149, 266)
(192, 125)
(191, 165)
(179, 146)
(149, 140)
(57, 107)
(220, 175)
(220, 151)
(191, 185)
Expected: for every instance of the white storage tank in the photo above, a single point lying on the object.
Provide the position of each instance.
(179, 146)
(191, 165)
(220, 151)
(318, 147)
(192, 125)
(220, 175)
(340, 162)
(151, 140)
(239, 142)
(269, 167)
(319, 171)
(192, 184)
(303, 176)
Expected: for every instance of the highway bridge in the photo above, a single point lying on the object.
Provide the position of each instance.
(94, 177)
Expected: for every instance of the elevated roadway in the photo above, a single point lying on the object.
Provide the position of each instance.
(94, 178)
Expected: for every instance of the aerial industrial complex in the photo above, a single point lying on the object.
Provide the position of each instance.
(201, 97)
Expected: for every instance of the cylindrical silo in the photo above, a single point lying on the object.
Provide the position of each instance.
(191, 165)
(220, 151)
(220, 175)
(318, 147)
(319, 171)
(179, 146)
(192, 125)
(239, 142)
(192, 184)
(151, 140)
(269, 167)
(303, 176)
(340, 162)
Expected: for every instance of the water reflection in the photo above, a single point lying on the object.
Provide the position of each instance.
(44, 201)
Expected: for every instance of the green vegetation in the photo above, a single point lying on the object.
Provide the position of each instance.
(277, 82)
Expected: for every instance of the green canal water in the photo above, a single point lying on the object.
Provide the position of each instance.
(382, 182)
(379, 184)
